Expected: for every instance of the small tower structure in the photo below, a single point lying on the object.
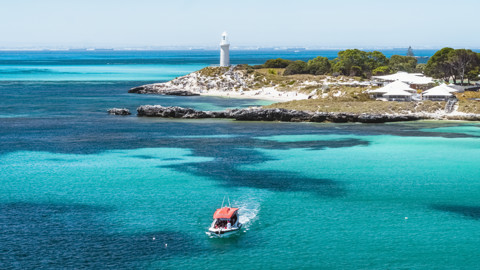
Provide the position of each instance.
(224, 51)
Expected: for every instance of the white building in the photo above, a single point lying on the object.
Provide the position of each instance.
(439, 93)
(415, 80)
(224, 51)
(395, 91)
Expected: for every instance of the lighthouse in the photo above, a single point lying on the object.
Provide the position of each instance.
(224, 51)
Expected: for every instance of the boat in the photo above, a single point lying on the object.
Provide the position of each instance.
(225, 221)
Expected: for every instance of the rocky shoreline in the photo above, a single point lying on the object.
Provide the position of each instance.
(261, 114)
(284, 115)
(155, 89)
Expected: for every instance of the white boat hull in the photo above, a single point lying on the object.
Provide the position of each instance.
(223, 232)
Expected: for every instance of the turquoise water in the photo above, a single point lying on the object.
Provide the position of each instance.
(94, 72)
(137, 65)
(83, 189)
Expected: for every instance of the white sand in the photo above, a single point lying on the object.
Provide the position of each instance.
(268, 93)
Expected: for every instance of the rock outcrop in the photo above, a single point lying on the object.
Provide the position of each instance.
(261, 114)
(204, 80)
(161, 89)
(119, 111)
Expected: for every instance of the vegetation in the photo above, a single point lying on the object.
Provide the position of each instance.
(333, 97)
(275, 63)
(403, 63)
(446, 63)
(296, 67)
(349, 63)
(213, 71)
(358, 63)
(466, 102)
(459, 64)
(383, 70)
(319, 66)
(371, 106)
(355, 100)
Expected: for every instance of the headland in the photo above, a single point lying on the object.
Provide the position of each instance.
(323, 87)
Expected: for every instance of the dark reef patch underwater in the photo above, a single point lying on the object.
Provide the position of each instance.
(36, 235)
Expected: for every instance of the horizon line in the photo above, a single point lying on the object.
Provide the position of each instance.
(213, 48)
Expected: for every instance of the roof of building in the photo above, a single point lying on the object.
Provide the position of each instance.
(410, 78)
(443, 86)
(225, 212)
(397, 92)
(441, 90)
(394, 86)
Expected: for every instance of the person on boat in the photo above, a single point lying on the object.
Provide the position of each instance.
(229, 225)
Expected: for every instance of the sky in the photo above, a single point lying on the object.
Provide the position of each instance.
(267, 23)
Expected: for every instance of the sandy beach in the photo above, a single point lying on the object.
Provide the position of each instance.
(265, 93)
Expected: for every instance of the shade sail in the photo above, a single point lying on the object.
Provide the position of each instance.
(225, 212)
(395, 87)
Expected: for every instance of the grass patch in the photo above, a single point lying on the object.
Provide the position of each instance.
(466, 105)
(373, 107)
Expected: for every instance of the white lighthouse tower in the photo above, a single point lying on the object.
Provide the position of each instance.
(224, 51)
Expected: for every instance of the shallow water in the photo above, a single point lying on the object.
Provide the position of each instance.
(83, 189)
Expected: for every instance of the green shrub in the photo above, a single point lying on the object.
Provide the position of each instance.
(296, 67)
(319, 66)
(277, 63)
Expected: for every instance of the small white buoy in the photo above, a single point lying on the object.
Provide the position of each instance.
(153, 238)
(166, 245)
(406, 217)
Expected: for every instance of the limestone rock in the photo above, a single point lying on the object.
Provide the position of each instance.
(261, 114)
(119, 111)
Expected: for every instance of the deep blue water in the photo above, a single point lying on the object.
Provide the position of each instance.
(83, 189)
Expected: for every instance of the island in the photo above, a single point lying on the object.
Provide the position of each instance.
(319, 90)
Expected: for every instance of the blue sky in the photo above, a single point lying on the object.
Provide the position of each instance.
(336, 24)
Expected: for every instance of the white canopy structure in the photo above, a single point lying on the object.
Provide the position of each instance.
(410, 78)
(398, 95)
(446, 87)
(396, 89)
(441, 92)
(396, 85)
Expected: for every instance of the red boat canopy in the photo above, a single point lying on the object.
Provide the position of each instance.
(225, 212)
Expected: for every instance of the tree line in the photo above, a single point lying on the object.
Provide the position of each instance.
(445, 64)
(457, 64)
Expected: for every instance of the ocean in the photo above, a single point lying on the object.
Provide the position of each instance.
(83, 189)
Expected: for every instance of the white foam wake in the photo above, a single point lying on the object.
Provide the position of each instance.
(248, 211)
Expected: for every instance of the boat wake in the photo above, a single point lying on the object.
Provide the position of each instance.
(247, 213)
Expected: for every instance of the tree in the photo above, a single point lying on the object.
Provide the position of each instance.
(462, 62)
(319, 66)
(296, 67)
(403, 63)
(473, 74)
(376, 59)
(420, 68)
(275, 63)
(359, 63)
(438, 66)
(383, 70)
(410, 52)
(349, 58)
(356, 71)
